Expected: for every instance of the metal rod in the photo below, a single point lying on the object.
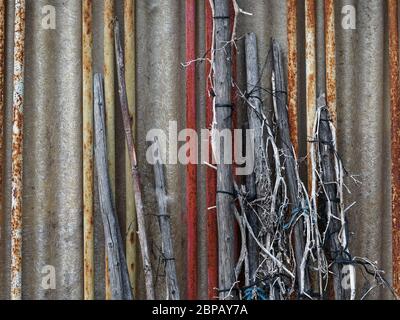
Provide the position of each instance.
(109, 91)
(87, 86)
(395, 111)
(2, 101)
(311, 94)
(191, 169)
(330, 52)
(211, 175)
(17, 146)
(292, 73)
(130, 75)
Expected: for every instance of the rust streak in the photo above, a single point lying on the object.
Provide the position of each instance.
(330, 52)
(87, 43)
(2, 106)
(395, 110)
(311, 95)
(17, 145)
(292, 72)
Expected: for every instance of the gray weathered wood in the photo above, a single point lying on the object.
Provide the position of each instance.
(119, 278)
(144, 247)
(329, 199)
(222, 89)
(254, 115)
(165, 228)
(288, 151)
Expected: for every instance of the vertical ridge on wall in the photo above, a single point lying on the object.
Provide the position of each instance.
(211, 177)
(395, 112)
(130, 75)
(191, 169)
(109, 92)
(2, 103)
(87, 87)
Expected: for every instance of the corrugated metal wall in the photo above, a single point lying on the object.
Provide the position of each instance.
(52, 205)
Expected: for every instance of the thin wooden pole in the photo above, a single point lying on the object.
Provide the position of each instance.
(330, 52)
(311, 94)
(130, 75)
(17, 146)
(191, 169)
(148, 273)
(166, 232)
(395, 110)
(211, 174)
(223, 115)
(2, 105)
(120, 287)
(292, 73)
(109, 87)
(254, 188)
(87, 43)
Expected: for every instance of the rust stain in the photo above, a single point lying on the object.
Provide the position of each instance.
(311, 95)
(2, 109)
(395, 110)
(17, 145)
(87, 102)
(330, 52)
(292, 72)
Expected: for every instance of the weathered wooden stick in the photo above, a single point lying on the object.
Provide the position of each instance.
(17, 152)
(148, 273)
(290, 162)
(328, 199)
(165, 228)
(292, 73)
(130, 76)
(120, 287)
(109, 91)
(191, 168)
(255, 121)
(223, 117)
(211, 174)
(395, 112)
(87, 87)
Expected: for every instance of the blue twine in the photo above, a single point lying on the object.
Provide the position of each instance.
(254, 293)
(295, 214)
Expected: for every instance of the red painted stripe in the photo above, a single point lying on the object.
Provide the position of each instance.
(211, 175)
(191, 173)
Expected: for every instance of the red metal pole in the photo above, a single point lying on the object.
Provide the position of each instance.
(211, 174)
(395, 109)
(191, 173)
